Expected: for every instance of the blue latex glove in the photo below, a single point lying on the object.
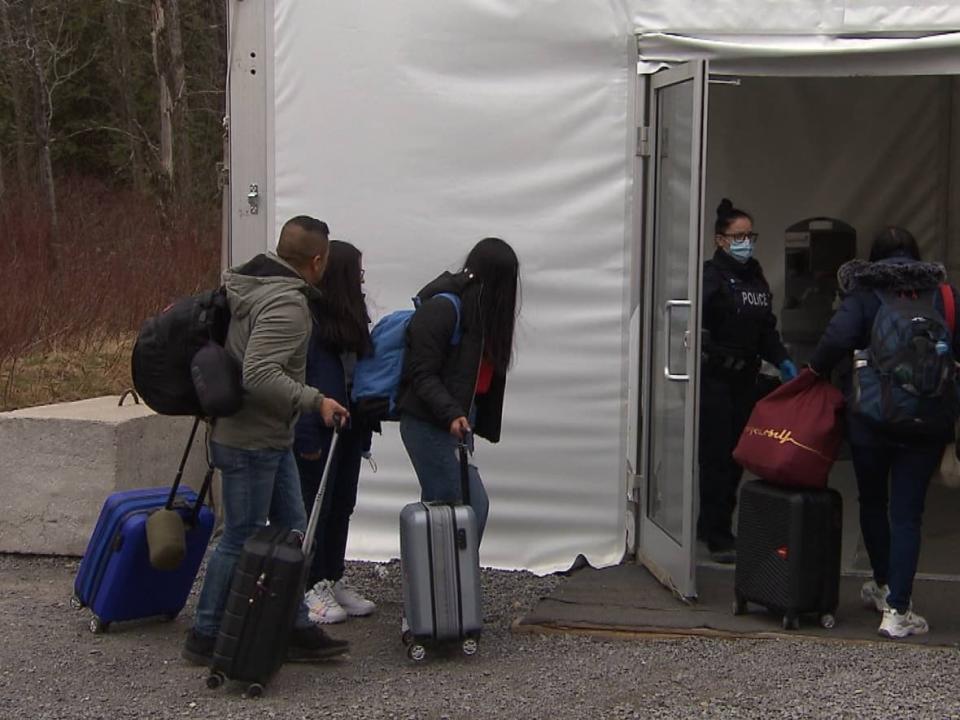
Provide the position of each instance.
(788, 371)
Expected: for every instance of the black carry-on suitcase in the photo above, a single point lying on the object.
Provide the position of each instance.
(439, 555)
(265, 594)
(788, 552)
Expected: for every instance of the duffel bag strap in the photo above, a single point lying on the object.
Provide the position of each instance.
(949, 307)
(207, 479)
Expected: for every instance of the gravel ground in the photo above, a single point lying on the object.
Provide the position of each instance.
(51, 666)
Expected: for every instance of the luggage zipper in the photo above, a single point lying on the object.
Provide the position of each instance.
(116, 542)
(261, 590)
(456, 559)
(430, 571)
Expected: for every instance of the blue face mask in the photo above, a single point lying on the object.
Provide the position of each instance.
(741, 251)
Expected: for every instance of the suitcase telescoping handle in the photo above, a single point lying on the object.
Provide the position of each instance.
(207, 479)
(462, 448)
(321, 491)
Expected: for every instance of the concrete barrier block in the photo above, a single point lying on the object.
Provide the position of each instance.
(59, 462)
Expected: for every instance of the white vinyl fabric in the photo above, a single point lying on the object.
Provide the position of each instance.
(796, 18)
(417, 128)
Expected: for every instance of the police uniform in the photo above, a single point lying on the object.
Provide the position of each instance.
(740, 331)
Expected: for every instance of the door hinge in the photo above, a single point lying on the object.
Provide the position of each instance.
(643, 141)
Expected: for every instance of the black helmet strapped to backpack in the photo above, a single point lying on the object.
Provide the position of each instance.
(179, 363)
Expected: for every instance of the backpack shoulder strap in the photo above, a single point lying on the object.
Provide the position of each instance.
(457, 330)
(949, 307)
(455, 301)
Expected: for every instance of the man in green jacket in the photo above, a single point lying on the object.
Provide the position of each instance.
(269, 332)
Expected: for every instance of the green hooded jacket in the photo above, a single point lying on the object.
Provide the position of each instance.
(270, 325)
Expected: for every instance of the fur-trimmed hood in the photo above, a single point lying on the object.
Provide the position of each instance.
(894, 274)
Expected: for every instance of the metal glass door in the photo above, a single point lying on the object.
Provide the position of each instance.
(671, 338)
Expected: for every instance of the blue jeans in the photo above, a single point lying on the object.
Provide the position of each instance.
(257, 485)
(433, 452)
(892, 481)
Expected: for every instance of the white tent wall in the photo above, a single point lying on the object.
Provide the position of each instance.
(868, 151)
(813, 17)
(417, 128)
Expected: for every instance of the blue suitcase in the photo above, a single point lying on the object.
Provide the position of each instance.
(116, 580)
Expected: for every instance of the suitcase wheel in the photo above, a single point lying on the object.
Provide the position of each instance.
(791, 622)
(828, 621)
(254, 690)
(417, 652)
(98, 626)
(75, 602)
(470, 646)
(215, 680)
(739, 606)
(406, 638)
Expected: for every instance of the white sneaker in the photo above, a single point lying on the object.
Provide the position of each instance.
(350, 600)
(874, 595)
(323, 606)
(899, 625)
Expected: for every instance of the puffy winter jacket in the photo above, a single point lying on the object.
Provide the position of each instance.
(439, 379)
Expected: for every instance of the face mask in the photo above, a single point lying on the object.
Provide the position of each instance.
(741, 251)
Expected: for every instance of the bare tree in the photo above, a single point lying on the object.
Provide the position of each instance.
(116, 11)
(170, 67)
(52, 60)
(11, 67)
(3, 186)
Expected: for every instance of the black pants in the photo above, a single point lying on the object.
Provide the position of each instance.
(338, 503)
(893, 481)
(725, 405)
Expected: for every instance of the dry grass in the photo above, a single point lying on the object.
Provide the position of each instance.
(73, 300)
(65, 375)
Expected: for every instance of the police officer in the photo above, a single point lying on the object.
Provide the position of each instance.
(740, 330)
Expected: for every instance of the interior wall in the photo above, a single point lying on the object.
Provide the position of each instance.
(952, 240)
(869, 151)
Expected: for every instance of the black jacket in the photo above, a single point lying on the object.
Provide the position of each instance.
(851, 325)
(738, 312)
(326, 372)
(439, 379)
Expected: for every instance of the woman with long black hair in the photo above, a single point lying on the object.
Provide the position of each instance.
(455, 369)
(340, 336)
(893, 467)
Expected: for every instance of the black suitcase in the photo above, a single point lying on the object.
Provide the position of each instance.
(265, 593)
(788, 552)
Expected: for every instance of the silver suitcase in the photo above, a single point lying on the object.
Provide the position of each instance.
(439, 554)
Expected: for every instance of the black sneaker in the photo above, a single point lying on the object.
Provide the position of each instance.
(311, 643)
(198, 649)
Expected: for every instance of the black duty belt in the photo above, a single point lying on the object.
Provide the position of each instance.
(729, 363)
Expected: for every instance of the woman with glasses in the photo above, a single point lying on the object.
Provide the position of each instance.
(340, 336)
(740, 330)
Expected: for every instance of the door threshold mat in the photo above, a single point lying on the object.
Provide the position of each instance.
(627, 601)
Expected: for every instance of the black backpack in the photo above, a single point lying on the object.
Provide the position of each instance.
(179, 364)
(906, 382)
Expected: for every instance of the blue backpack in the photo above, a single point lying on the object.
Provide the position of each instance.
(376, 377)
(906, 382)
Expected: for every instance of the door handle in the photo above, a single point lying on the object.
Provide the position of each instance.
(667, 318)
